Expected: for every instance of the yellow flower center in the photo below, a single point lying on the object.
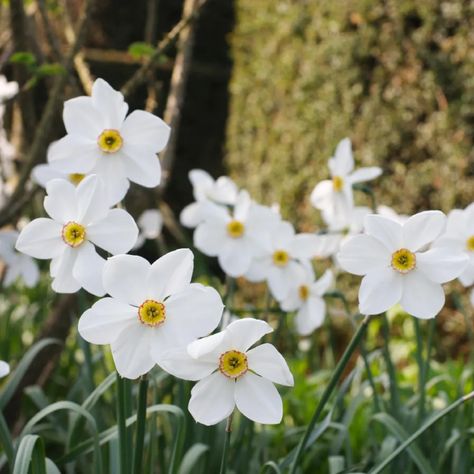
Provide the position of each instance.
(470, 243)
(73, 234)
(303, 292)
(233, 364)
(76, 178)
(280, 258)
(337, 183)
(110, 141)
(152, 313)
(403, 261)
(235, 229)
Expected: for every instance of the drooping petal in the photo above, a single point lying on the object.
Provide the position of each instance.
(41, 238)
(106, 320)
(61, 271)
(212, 399)
(145, 129)
(387, 231)
(72, 154)
(422, 229)
(82, 118)
(421, 297)
(116, 233)
(267, 362)
(258, 399)
(362, 254)
(365, 174)
(61, 203)
(244, 333)
(141, 165)
(210, 237)
(88, 269)
(323, 284)
(11, 274)
(125, 278)
(321, 195)
(109, 103)
(192, 215)
(131, 351)
(92, 205)
(29, 271)
(380, 290)
(170, 274)
(441, 265)
(179, 363)
(310, 316)
(150, 223)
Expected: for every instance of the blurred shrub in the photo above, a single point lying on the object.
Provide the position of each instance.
(396, 76)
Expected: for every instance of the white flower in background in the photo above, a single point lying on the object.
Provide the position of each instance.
(306, 298)
(237, 237)
(7, 89)
(286, 254)
(152, 309)
(80, 219)
(335, 196)
(4, 368)
(231, 374)
(459, 236)
(387, 211)
(472, 297)
(101, 140)
(397, 266)
(17, 264)
(205, 189)
(150, 224)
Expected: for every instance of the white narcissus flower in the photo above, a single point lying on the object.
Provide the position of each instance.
(306, 298)
(150, 224)
(231, 374)
(18, 265)
(220, 191)
(459, 236)
(397, 266)
(80, 219)
(152, 309)
(335, 196)
(101, 140)
(286, 254)
(236, 238)
(4, 368)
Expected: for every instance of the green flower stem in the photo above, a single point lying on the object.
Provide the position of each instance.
(420, 431)
(329, 389)
(141, 424)
(421, 369)
(225, 449)
(121, 423)
(394, 398)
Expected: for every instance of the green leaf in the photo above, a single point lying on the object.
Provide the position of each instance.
(53, 69)
(30, 453)
(23, 57)
(141, 50)
(192, 457)
(270, 466)
(6, 440)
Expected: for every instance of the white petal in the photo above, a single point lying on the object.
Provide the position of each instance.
(387, 231)
(4, 369)
(41, 238)
(305, 246)
(224, 191)
(202, 182)
(365, 174)
(441, 265)
(179, 363)
(242, 206)
(42, 174)
(421, 297)
(343, 161)
(116, 233)
(125, 278)
(170, 274)
(109, 103)
(422, 229)
(236, 257)
(321, 195)
(212, 399)
(380, 290)
(142, 166)
(258, 270)
(310, 316)
(210, 237)
(82, 118)
(103, 323)
(361, 254)
(72, 154)
(91, 198)
(144, 129)
(151, 223)
(244, 333)
(471, 297)
(61, 271)
(88, 269)
(467, 276)
(29, 271)
(258, 399)
(131, 351)
(11, 274)
(267, 362)
(60, 203)
(323, 284)
(192, 215)
(209, 348)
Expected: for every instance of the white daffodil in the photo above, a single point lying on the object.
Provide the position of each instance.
(231, 374)
(80, 219)
(7, 89)
(101, 140)
(152, 309)
(306, 298)
(18, 265)
(285, 255)
(4, 368)
(220, 191)
(397, 266)
(150, 224)
(335, 196)
(459, 236)
(237, 237)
